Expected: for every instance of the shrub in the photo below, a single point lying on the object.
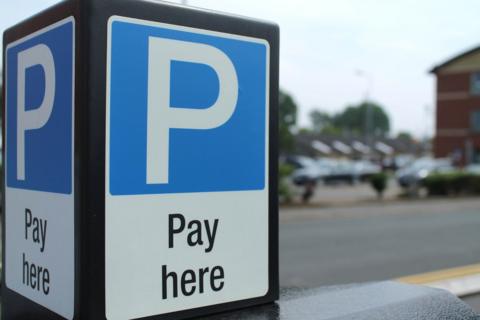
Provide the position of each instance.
(475, 184)
(379, 183)
(455, 183)
(284, 193)
(436, 184)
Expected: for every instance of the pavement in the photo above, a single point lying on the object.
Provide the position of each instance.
(473, 301)
(374, 241)
(346, 194)
(461, 281)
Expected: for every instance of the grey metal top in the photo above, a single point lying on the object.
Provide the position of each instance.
(372, 301)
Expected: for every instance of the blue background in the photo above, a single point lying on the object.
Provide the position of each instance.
(230, 157)
(48, 150)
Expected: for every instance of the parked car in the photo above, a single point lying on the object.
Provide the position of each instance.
(415, 173)
(352, 171)
(342, 171)
(473, 169)
(306, 171)
(325, 167)
(397, 162)
(364, 169)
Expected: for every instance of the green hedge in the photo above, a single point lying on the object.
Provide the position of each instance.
(455, 183)
(379, 183)
(284, 193)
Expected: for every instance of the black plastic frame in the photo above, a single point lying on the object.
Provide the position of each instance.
(91, 27)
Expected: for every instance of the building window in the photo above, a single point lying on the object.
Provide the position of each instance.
(476, 121)
(475, 84)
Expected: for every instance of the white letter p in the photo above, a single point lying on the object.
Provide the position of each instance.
(162, 116)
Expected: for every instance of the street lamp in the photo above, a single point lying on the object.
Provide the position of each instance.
(368, 114)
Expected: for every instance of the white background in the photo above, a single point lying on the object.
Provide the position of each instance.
(137, 247)
(58, 255)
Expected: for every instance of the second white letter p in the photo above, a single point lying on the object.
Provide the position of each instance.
(36, 118)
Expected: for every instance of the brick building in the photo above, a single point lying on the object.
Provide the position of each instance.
(458, 108)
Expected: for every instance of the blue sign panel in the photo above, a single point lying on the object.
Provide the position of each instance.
(39, 107)
(187, 110)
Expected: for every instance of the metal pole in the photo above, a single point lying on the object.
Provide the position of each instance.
(368, 114)
(185, 2)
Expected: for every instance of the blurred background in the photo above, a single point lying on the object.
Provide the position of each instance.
(379, 138)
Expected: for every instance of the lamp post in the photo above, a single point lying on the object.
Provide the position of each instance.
(428, 117)
(368, 121)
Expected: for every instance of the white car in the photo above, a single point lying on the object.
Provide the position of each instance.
(307, 170)
(473, 169)
(415, 173)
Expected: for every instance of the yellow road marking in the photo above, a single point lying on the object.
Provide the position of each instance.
(441, 275)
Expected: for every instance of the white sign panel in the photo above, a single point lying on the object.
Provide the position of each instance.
(186, 204)
(39, 201)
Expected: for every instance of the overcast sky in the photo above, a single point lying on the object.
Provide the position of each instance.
(323, 43)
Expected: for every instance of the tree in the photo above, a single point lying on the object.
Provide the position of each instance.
(403, 135)
(354, 119)
(287, 120)
(320, 120)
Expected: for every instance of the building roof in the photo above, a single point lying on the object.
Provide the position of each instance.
(455, 59)
(312, 144)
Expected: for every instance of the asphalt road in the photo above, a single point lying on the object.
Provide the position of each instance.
(376, 242)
